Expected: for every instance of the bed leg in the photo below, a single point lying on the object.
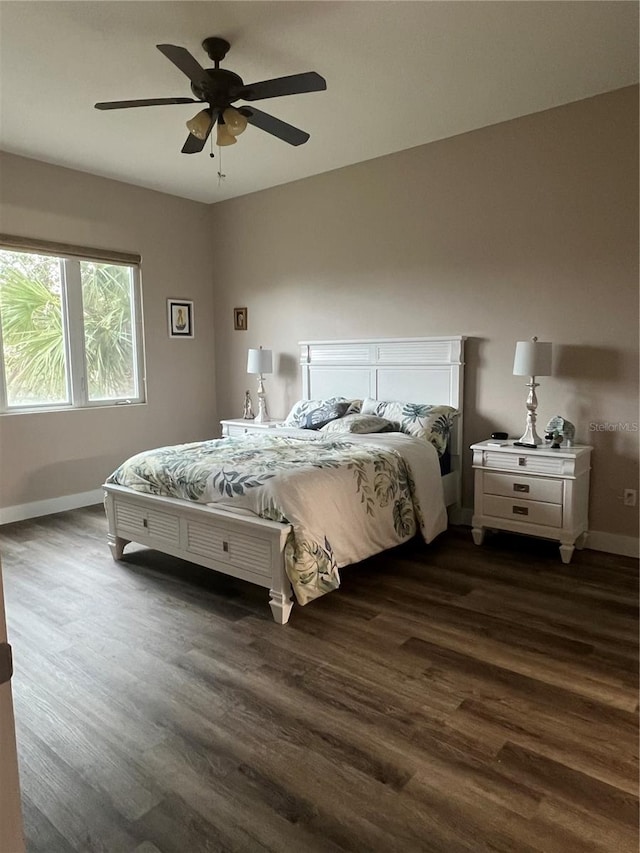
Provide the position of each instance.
(117, 545)
(281, 604)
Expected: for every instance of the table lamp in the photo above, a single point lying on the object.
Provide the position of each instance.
(532, 358)
(260, 361)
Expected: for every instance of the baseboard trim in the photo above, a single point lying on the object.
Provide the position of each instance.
(597, 540)
(613, 543)
(21, 512)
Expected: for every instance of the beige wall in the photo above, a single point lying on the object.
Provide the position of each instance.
(62, 453)
(527, 227)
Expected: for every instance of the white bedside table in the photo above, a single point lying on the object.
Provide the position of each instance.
(541, 492)
(241, 426)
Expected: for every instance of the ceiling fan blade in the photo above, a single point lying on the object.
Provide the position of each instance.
(149, 102)
(295, 84)
(183, 60)
(193, 144)
(274, 126)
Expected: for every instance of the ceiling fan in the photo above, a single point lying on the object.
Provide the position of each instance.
(219, 89)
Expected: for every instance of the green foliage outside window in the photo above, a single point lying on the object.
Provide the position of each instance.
(106, 297)
(32, 315)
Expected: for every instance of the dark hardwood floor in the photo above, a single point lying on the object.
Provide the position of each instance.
(446, 698)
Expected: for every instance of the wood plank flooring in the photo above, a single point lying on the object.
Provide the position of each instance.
(447, 698)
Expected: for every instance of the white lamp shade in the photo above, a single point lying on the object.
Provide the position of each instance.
(533, 358)
(259, 361)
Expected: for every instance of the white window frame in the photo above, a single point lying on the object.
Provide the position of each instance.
(73, 326)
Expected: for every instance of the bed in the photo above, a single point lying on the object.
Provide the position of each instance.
(238, 542)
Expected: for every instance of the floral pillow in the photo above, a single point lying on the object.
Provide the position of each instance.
(297, 417)
(422, 421)
(360, 424)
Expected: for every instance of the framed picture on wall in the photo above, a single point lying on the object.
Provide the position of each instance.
(180, 315)
(240, 319)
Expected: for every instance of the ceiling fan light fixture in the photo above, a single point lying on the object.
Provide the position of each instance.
(223, 137)
(199, 125)
(235, 121)
(218, 88)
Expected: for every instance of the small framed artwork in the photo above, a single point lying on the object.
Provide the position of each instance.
(240, 319)
(180, 318)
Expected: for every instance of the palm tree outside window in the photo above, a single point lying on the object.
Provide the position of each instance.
(70, 332)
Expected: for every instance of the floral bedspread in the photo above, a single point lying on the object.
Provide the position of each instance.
(346, 499)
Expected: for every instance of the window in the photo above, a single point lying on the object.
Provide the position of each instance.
(70, 332)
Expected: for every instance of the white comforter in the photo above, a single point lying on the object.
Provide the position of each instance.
(346, 497)
(355, 542)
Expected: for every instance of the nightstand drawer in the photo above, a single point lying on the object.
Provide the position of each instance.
(526, 462)
(239, 430)
(246, 426)
(523, 488)
(532, 512)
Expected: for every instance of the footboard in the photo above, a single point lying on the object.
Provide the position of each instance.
(247, 548)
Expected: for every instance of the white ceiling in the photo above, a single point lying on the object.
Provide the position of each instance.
(399, 74)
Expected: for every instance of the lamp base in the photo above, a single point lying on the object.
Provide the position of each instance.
(530, 436)
(262, 416)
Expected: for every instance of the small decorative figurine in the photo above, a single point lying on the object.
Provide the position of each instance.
(558, 426)
(556, 440)
(247, 413)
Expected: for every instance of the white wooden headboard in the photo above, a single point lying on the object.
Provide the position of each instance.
(415, 370)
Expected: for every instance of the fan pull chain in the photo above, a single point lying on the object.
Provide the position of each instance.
(221, 176)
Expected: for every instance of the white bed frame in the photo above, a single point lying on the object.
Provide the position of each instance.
(420, 370)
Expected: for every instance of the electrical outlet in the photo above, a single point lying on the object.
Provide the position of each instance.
(630, 497)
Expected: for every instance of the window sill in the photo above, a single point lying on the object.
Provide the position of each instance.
(59, 409)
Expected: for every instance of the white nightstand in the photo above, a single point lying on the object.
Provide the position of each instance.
(241, 426)
(541, 492)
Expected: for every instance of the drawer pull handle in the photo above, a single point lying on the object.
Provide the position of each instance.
(520, 510)
(145, 522)
(522, 461)
(225, 547)
(520, 487)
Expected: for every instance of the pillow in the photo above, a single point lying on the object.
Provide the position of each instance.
(317, 418)
(354, 407)
(359, 423)
(298, 414)
(422, 421)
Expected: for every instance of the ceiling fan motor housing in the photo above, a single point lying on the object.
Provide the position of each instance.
(217, 90)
